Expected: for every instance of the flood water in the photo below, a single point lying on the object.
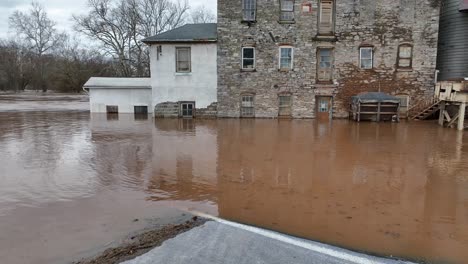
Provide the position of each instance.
(70, 180)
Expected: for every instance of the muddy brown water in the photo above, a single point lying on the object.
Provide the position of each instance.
(71, 181)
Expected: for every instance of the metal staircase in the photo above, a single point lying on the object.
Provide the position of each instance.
(427, 111)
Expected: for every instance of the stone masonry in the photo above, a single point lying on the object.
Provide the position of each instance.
(381, 24)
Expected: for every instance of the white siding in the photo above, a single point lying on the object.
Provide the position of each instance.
(125, 98)
(199, 85)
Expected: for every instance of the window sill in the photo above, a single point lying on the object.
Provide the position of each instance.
(326, 83)
(322, 37)
(285, 70)
(286, 22)
(404, 69)
(249, 22)
(183, 74)
(248, 70)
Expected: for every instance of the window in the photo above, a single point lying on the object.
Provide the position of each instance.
(187, 109)
(287, 10)
(366, 58)
(326, 25)
(248, 58)
(140, 109)
(112, 109)
(286, 58)
(405, 56)
(183, 57)
(247, 106)
(284, 105)
(325, 64)
(249, 9)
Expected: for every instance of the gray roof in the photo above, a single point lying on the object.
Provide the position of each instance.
(187, 33)
(117, 83)
(371, 97)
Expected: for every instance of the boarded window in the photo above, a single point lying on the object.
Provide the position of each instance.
(285, 105)
(247, 106)
(112, 109)
(287, 10)
(286, 58)
(187, 109)
(183, 58)
(248, 58)
(326, 25)
(249, 9)
(366, 58)
(141, 109)
(405, 56)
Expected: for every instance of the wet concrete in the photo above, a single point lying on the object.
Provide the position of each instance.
(72, 182)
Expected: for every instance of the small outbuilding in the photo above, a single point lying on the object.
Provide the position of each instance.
(119, 95)
(376, 107)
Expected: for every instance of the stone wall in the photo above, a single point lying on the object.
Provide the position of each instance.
(167, 110)
(382, 24)
(209, 112)
(172, 110)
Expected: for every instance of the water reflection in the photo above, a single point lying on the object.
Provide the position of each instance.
(390, 189)
(379, 188)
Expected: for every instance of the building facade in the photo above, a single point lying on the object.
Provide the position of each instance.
(183, 71)
(305, 59)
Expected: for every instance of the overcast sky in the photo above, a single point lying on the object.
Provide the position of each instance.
(62, 10)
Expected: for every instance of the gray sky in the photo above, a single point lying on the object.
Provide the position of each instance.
(62, 10)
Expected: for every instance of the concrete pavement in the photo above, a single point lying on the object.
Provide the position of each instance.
(226, 242)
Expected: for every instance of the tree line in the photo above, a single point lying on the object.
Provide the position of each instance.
(106, 42)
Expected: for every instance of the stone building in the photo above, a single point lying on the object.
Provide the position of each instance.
(305, 59)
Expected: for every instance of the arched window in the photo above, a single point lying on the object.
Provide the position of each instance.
(405, 56)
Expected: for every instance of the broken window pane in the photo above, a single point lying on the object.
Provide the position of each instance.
(325, 58)
(249, 9)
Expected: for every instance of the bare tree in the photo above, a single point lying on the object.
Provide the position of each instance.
(39, 32)
(120, 25)
(15, 66)
(202, 15)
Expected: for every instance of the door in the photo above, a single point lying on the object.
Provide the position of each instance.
(285, 106)
(324, 65)
(324, 107)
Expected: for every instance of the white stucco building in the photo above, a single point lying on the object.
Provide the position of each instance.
(119, 95)
(183, 79)
(184, 70)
